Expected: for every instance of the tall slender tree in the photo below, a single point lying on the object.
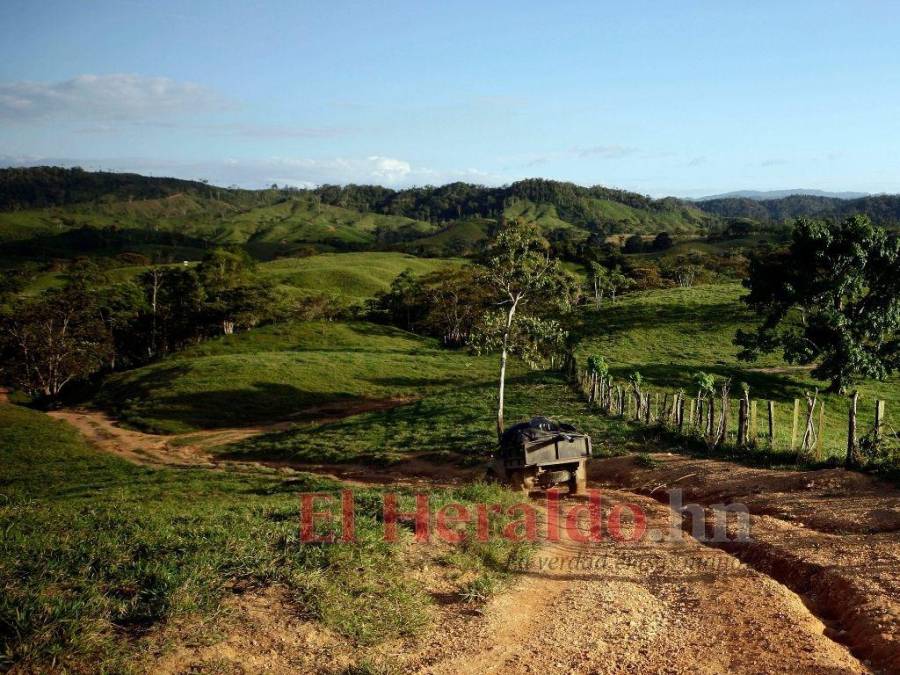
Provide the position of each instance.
(529, 287)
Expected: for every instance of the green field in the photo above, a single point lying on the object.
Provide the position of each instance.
(668, 335)
(266, 230)
(277, 371)
(451, 425)
(354, 276)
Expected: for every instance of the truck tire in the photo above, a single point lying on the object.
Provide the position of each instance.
(521, 481)
(578, 482)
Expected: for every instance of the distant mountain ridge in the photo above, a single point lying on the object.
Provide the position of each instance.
(48, 212)
(765, 195)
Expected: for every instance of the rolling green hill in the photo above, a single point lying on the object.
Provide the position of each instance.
(48, 212)
(668, 335)
(354, 276)
(274, 372)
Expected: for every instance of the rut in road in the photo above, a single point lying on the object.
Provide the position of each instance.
(643, 608)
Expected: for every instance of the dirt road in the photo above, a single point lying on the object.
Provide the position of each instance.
(816, 591)
(643, 608)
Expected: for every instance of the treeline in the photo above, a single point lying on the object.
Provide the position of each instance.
(46, 186)
(574, 203)
(881, 209)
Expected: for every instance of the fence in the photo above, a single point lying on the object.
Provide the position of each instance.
(806, 427)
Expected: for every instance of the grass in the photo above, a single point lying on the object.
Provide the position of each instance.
(103, 562)
(266, 230)
(668, 335)
(348, 277)
(449, 425)
(355, 276)
(274, 372)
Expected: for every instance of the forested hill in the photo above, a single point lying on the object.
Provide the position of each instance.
(41, 187)
(882, 209)
(48, 212)
(46, 186)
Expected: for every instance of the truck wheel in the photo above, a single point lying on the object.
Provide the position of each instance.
(518, 481)
(578, 481)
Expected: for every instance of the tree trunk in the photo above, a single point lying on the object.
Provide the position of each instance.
(502, 391)
(503, 358)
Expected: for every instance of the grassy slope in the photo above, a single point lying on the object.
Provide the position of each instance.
(266, 230)
(626, 218)
(278, 370)
(101, 557)
(455, 423)
(351, 275)
(670, 334)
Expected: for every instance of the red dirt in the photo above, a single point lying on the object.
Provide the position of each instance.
(831, 535)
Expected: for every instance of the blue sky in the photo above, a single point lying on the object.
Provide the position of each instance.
(686, 98)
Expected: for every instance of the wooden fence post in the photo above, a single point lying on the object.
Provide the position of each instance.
(753, 421)
(850, 459)
(692, 412)
(820, 439)
(772, 424)
(742, 422)
(794, 426)
(879, 420)
(680, 412)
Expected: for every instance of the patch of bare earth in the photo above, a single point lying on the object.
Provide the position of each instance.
(263, 633)
(833, 536)
(644, 607)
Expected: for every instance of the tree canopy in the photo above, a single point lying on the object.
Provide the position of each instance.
(832, 299)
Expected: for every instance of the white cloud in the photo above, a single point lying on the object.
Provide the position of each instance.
(605, 151)
(299, 172)
(105, 98)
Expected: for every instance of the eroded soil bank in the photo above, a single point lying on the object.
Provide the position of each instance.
(832, 536)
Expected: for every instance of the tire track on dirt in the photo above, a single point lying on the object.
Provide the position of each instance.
(834, 540)
(641, 608)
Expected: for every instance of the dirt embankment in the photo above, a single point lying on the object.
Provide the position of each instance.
(832, 536)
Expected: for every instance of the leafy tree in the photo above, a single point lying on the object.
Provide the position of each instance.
(662, 242)
(634, 244)
(520, 272)
(403, 304)
(605, 281)
(455, 303)
(597, 365)
(176, 303)
(120, 307)
(832, 298)
(50, 341)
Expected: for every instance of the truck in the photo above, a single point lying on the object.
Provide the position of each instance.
(541, 454)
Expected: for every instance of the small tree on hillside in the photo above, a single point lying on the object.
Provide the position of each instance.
(520, 272)
(832, 298)
(47, 342)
